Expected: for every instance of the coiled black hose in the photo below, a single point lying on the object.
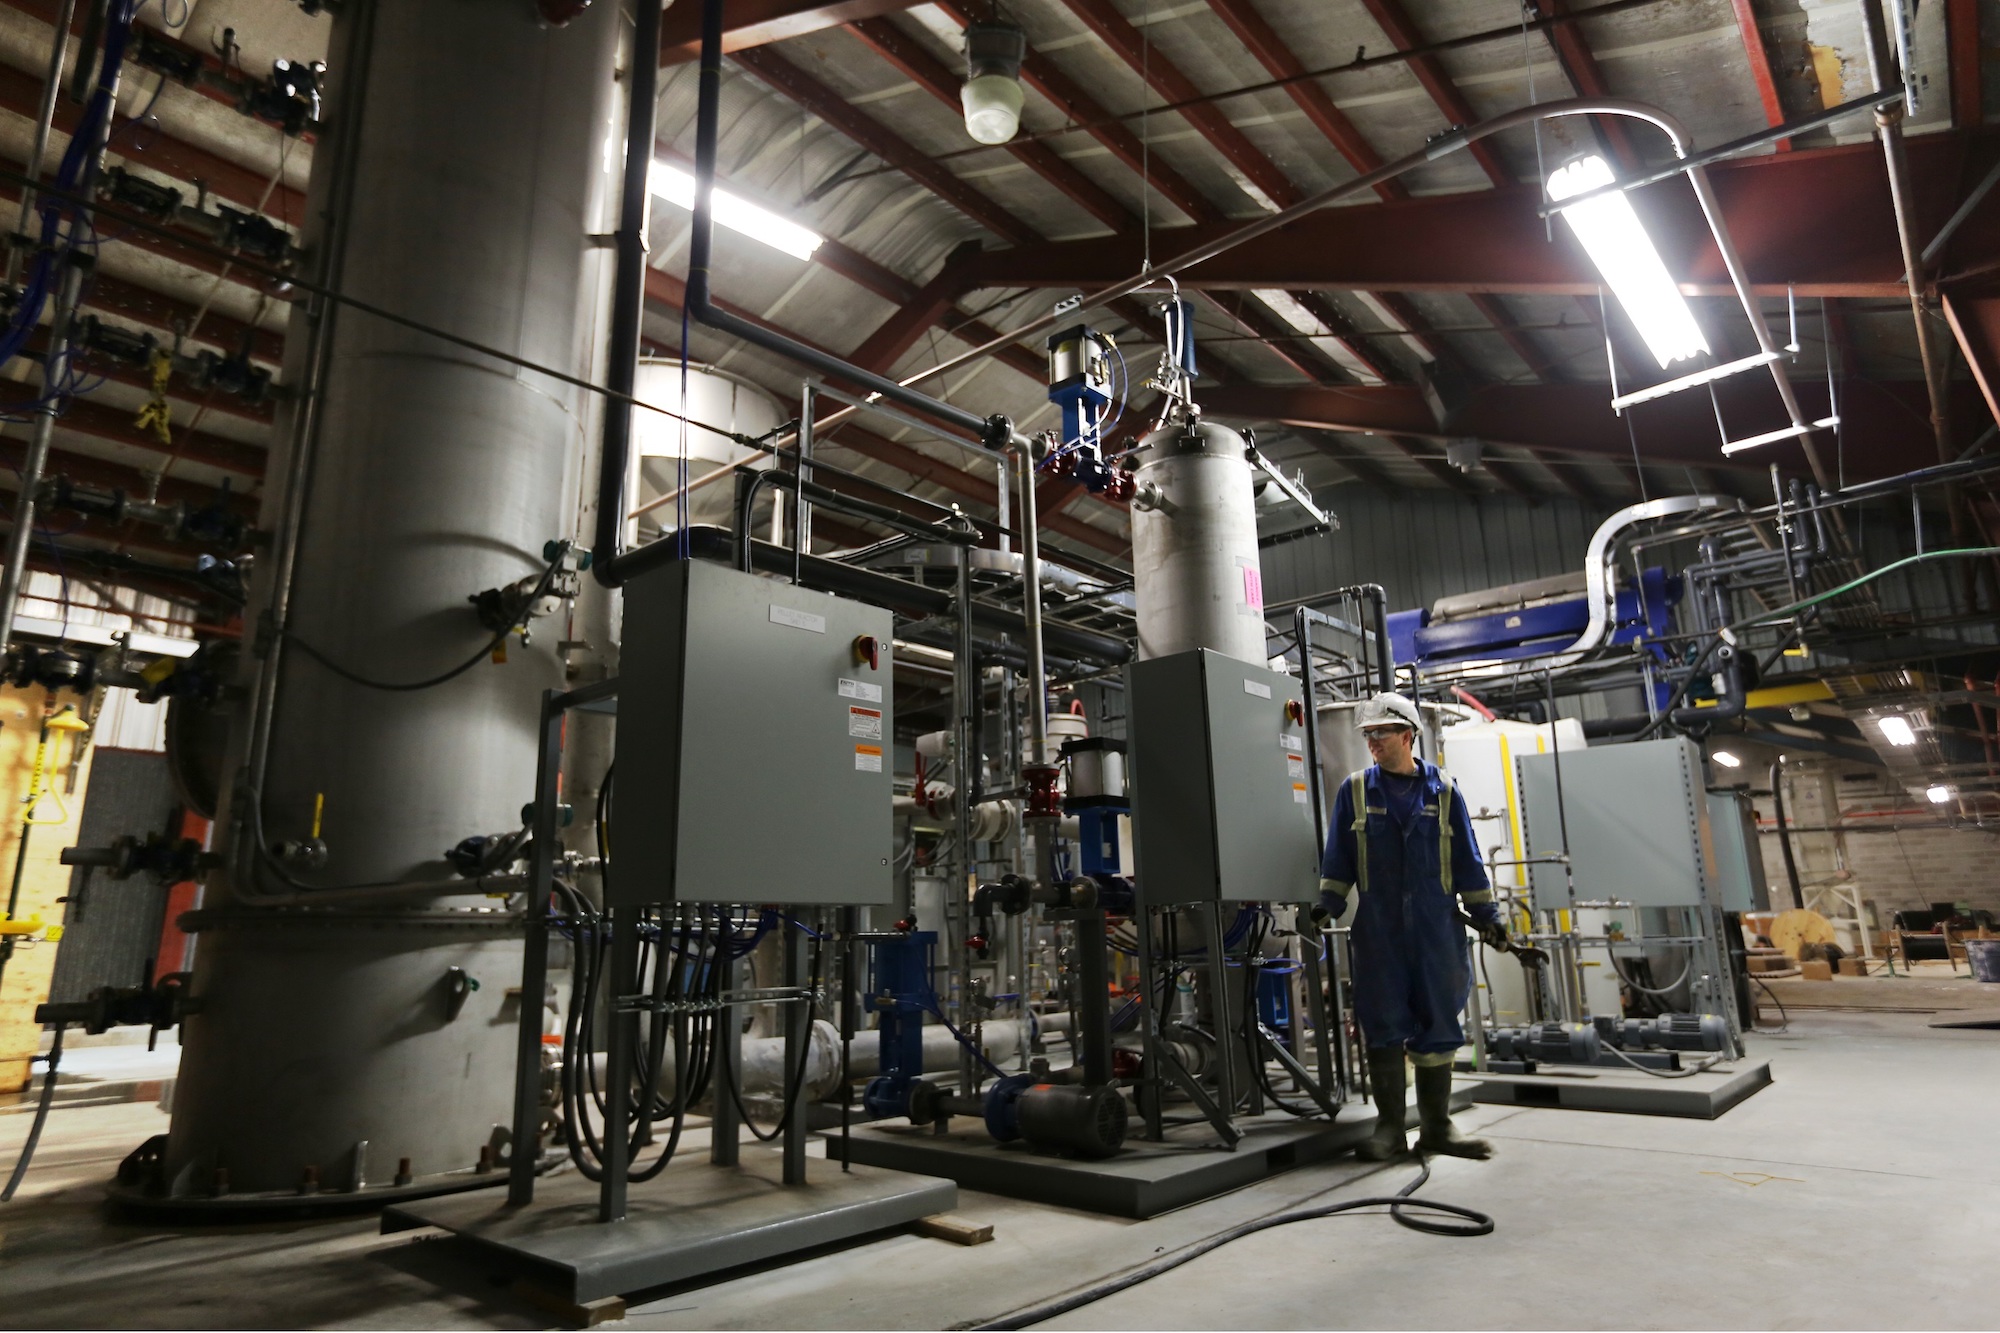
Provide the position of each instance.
(1398, 1204)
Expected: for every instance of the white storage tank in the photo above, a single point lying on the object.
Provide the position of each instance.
(718, 398)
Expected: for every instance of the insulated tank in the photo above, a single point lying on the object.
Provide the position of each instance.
(363, 1045)
(1195, 567)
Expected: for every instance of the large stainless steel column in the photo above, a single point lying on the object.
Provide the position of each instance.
(345, 1039)
(1195, 566)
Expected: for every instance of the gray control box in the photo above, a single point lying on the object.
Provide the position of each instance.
(1636, 816)
(1739, 859)
(1221, 810)
(755, 744)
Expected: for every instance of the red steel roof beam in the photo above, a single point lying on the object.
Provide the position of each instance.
(1573, 52)
(1961, 20)
(750, 23)
(1279, 62)
(918, 65)
(1117, 32)
(1038, 73)
(1760, 66)
(1430, 72)
(871, 134)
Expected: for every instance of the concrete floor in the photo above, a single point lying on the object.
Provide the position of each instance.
(1857, 1192)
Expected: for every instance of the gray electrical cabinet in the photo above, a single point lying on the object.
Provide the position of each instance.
(1221, 810)
(755, 743)
(1635, 817)
(1739, 855)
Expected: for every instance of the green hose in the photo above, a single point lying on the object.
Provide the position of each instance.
(1950, 553)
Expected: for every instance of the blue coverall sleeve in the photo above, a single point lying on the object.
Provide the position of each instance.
(1468, 870)
(1337, 862)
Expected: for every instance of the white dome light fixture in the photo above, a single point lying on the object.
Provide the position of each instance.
(992, 92)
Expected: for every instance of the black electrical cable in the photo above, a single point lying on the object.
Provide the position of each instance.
(1477, 1224)
(1702, 1067)
(1665, 991)
(41, 1117)
(797, 1075)
(1783, 1013)
(542, 587)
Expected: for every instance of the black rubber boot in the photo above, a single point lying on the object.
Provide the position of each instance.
(1387, 1081)
(1434, 1115)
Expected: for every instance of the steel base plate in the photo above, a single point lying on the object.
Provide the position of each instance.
(1142, 1180)
(694, 1221)
(1703, 1096)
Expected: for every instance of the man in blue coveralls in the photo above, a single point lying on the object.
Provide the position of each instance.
(1400, 857)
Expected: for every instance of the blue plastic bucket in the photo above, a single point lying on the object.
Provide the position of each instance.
(1984, 955)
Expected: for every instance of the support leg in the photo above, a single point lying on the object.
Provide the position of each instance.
(535, 962)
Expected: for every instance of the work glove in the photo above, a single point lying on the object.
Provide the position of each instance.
(1332, 908)
(1493, 934)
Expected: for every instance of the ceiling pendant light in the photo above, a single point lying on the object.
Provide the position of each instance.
(992, 93)
(1611, 233)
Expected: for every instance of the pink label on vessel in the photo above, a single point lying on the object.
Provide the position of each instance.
(1253, 587)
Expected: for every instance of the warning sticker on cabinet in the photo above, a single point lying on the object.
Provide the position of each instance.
(868, 759)
(860, 689)
(1295, 765)
(865, 723)
(1298, 793)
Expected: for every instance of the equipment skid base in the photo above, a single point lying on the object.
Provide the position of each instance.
(695, 1221)
(1703, 1096)
(1143, 1180)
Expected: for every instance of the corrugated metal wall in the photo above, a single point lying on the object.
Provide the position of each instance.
(1421, 546)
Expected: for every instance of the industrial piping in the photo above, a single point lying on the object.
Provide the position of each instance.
(995, 433)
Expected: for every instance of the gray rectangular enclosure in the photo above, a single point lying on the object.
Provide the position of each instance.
(1220, 805)
(1637, 822)
(755, 743)
(1739, 858)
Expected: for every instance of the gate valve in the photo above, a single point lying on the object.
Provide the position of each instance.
(977, 943)
(868, 648)
(905, 926)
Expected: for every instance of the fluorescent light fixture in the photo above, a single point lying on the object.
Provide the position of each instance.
(1896, 730)
(737, 213)
(1772, 437)
(1693, 380)
(1726, 759)
(1611, 234)
(1938, 795)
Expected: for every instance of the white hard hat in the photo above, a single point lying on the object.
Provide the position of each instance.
(1388, 710)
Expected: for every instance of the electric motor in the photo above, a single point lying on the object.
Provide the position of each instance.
(1549, 1043)
(1670, 1032)
(1062, 1117)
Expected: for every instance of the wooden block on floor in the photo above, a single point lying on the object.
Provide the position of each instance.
(1815, 970)
(944, 1226)
(1854, 967)
(576, 1314)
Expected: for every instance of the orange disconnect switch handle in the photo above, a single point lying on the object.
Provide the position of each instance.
(868, 649)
